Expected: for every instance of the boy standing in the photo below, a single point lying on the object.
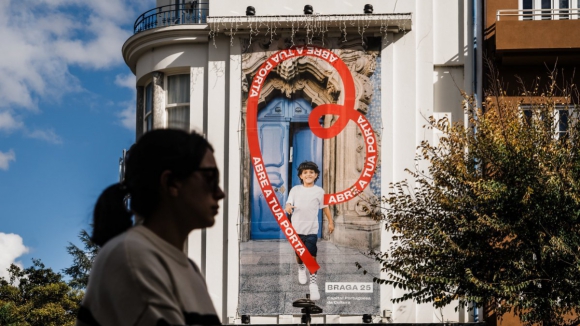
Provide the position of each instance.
(303, 203)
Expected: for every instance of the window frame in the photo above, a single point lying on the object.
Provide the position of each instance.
(170, 106)
(554, 12)
(148, 115)
(558, 109)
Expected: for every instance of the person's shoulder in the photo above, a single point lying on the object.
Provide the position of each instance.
(138, 262)
(111, 259)
(297, 188)
(127, 246)
(113, 247)
(120, 278)
(141, 236)
(318, 188)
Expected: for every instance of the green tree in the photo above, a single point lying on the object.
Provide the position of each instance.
(37, 296)
(493, 219)
(82, 261)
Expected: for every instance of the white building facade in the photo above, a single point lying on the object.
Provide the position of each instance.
(197, 67)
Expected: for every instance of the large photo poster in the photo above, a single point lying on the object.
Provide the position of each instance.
(312, 174)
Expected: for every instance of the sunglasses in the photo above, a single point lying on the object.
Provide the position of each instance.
(211, 177)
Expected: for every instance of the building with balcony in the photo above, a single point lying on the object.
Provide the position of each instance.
(527, 37)
(524, 40)
(255, 73)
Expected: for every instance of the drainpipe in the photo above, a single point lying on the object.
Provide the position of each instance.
(478, 50)
(477, 20)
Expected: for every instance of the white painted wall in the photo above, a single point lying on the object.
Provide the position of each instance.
(448, 81)
(172, 58)
(233, 159)
(422, 71)
(448, 32)
(451, 53)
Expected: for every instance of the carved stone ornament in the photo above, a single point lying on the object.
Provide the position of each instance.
(315, 78)
(318, 82)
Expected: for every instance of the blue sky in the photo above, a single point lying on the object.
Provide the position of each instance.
(67, 110)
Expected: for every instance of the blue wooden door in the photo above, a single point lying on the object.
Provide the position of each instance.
(273, 132)
(274, 125)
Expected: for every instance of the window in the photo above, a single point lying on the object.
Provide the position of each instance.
(546, 4)
(527, 4)
(562, 121)
(148, 116)
(561, 118)
(527, 114)
(178, 90)
(564, 6)
(549, 9)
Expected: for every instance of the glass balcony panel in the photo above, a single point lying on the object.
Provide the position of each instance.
(527, 15)
(546, 4)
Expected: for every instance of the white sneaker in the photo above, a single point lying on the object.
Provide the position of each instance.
(302, 275)
(314, 294)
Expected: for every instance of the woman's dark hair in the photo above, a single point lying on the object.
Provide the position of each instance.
(308, 165)
(157, 151)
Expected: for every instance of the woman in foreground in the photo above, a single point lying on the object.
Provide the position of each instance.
(141, 275)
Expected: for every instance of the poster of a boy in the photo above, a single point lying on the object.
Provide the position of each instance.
(303, 203)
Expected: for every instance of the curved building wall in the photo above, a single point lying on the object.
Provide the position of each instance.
(421, 71)
(172, 57)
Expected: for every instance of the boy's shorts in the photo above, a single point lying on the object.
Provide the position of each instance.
(310, 242)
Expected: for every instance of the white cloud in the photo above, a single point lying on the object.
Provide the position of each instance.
(101, 52)
(11, 247)
(5, 159)
(127, 81)
(43, 39)
(128, 116)
(47, 135)
(8, 123)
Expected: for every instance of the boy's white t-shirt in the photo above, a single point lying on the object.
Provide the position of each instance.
(307, 201)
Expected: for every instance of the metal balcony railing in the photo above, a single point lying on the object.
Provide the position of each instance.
(193, 12)
(540, 14)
